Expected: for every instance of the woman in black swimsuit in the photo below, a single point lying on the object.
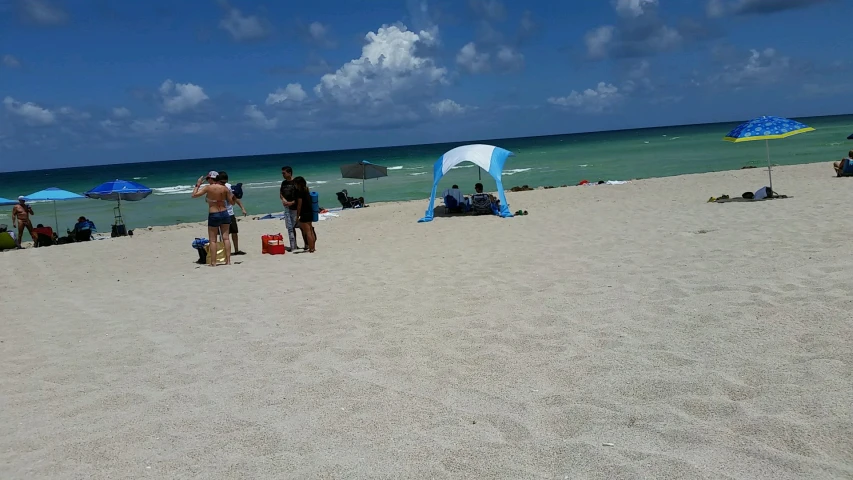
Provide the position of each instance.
(306, 212)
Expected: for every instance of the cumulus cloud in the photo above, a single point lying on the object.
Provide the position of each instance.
(317, 34)
(292, 93)
(180, 97)
(43, 12)
(633, 8)
(121, 112)
(760, 67)
(640, 31)
(720, 8)
(10, 61)
(244, 28)
(472, 61)
(509, 58)
(492, 10)
(150, 126)
(29, 112)
(597, 100)
(388, 68)
(258, 117)
(447, 107)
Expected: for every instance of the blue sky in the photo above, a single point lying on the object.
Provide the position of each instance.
(105, 81)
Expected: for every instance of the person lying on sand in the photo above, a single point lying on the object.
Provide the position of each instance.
(839, 166)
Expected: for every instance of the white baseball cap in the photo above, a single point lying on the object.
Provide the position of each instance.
(21, 198)
(212, 174)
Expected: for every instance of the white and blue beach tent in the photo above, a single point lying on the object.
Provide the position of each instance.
(487, 157)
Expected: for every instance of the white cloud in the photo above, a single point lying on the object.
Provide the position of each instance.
(74, 114)
(597, 100)
(31, 113)
(44, 12)
(720, 8)
(121, 112)
(258, 117)
(761, 67)
(180, 97)
(633, 8)
(243, 28)
(10, 61)
(318, 34)
(598, 41)
(150, 126)
(387, 68)
(293, 92)
(510, 59)
(472, 61)
(446, 107)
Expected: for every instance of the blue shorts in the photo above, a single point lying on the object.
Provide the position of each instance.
(215, 220)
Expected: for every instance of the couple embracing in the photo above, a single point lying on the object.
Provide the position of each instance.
(296, 199)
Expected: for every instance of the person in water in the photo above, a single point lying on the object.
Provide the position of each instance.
(306, 212)
(218, 196)
(21, 219)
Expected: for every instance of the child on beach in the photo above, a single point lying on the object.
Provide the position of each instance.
(306, 212)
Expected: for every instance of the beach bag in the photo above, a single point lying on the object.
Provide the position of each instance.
(272, 244)
(237, 190)
(220, 253)
(198, 245)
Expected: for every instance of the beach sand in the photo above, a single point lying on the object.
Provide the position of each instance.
(615, 332)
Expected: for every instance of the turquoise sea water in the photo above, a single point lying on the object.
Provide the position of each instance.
(539, 161)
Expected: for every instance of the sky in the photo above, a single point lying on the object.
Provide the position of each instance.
(87, 82)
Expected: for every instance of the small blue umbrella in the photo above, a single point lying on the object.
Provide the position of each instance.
(6, 201)
(119, 190)
(52, 194)
(850, 137)
(766, 128)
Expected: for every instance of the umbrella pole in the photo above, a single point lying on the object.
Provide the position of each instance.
(55, 218)
(769, 170)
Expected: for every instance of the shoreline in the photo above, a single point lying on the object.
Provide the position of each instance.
(508, 192)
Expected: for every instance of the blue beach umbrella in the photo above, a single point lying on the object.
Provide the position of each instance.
(766, 128)
(850, 137)
(119, 190)
(52, 194)
(6, 201)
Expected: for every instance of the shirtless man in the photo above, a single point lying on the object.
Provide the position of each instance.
(21, 216)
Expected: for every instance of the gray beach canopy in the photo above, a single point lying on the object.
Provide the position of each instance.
(363, 170)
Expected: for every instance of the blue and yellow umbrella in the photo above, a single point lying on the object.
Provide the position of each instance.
(766, 128)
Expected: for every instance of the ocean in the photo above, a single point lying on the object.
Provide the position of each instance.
(538, 161)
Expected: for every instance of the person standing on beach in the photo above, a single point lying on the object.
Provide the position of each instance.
(21, 218)
(306, 212)
(232, 228)
(287, 194)
(218, 219)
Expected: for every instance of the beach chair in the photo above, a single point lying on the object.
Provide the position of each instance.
(347, 201)
(846, 168)
(451, 205)
(481, 204)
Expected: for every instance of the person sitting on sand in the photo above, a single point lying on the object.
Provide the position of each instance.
(218, 221)
(839, 166)
(455, 193)
(21, 219)
(482, 203)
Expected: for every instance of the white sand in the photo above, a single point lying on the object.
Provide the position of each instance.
(700, 340)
